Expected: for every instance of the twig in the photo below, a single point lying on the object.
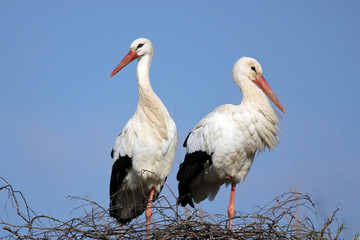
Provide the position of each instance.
(279, 219)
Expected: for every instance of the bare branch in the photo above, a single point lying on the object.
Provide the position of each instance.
(279, 219)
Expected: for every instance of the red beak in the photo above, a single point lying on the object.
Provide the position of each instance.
(131, 56)
(261, 82)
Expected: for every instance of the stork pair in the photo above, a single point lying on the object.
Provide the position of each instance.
(220, 149)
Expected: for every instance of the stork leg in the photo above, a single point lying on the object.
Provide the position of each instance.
(148, 211)
(231, 208)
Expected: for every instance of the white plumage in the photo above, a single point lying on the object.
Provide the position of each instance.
(221, 147)
(144, 151)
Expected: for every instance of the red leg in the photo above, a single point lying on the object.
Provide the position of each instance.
(231, 208)
(148, 211)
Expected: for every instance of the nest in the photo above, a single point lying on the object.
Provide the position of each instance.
(279, 219)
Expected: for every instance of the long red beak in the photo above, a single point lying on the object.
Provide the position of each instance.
(261, 82)
(131, 56)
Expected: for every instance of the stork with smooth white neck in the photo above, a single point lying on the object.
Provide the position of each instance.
(144, 151)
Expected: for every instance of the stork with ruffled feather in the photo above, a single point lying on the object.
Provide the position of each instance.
(222, 146)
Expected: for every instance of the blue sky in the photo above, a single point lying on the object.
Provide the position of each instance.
(60, 113)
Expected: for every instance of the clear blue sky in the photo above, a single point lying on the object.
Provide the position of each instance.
(60, 113)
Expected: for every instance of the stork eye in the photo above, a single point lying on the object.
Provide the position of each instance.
(253, 68)
(140, 45)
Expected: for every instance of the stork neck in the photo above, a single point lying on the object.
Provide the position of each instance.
(150, 109)
(147, 97)
(143, 68)
(250, 91)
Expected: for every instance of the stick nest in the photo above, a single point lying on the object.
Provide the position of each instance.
(279, 219)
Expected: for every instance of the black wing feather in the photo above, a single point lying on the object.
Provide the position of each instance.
(119, 170)
(185, 142)
(192, 166)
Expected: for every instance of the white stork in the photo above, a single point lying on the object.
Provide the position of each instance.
(144, 151)
(221, 147)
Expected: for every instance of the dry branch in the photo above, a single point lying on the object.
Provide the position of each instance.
(279, 219)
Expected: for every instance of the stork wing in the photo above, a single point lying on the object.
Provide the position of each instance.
(199, 148)
(122, 163)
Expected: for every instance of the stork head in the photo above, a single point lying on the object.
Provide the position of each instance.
(251, 69)
(139, 48)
